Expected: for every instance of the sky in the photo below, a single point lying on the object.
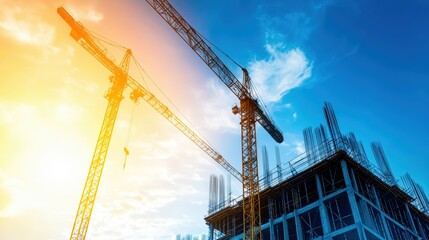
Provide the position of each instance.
(368, 58)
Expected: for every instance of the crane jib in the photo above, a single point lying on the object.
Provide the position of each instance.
(120, 80)
(250, 113)
(201, 48)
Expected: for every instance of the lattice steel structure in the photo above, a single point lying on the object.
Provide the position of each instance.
(251, 111)
(120, 80)
(334, 198)
(330, 192)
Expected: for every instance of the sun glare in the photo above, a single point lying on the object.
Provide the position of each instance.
(56, 167)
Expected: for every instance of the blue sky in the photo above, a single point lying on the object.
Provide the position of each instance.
(368, 58)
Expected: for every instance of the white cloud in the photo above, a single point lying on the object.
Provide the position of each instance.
(299, 147)
(273, 77)
(68, 112)
(14, 197)
(281, 72)
(25, 27)
(217, 114)
(148, 208)
(294, 146)
(86, 14)
(294, 26)
(162, 192)
(295, 115)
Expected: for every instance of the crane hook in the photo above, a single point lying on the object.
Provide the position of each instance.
(127, 152)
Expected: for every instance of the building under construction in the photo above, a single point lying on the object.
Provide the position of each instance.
(330, 192)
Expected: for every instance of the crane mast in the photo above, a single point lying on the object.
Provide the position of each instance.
(120, 80)
(202, 49)
(114, 97)
(250, 113)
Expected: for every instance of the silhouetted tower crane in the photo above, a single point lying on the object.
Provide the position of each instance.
(120, 80)
(250, 112)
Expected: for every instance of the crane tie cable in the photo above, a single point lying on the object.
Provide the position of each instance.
(253, 88)
(220, 50)
(141, 69)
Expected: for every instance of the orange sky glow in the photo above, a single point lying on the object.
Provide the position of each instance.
(51, 109)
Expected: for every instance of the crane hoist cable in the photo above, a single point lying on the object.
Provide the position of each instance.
(102, 39)
(120, 81)
(130, 126)
(142, 71)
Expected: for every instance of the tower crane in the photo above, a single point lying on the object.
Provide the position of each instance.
(250, 112)
(120, 80)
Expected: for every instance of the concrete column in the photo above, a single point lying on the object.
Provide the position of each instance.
(352, 199)
(353, 178)
(270, 207)
(383, 219)
(298, 226)
(285, 228)
(211, 232)
(326, 226)
(421, 230)
(410, 219)
(270, 216)
(272, 236)
(234, 232)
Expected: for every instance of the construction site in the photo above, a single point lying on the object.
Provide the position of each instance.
(332, 191)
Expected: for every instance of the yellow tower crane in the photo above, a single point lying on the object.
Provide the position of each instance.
(120, 80)
(250, 112)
